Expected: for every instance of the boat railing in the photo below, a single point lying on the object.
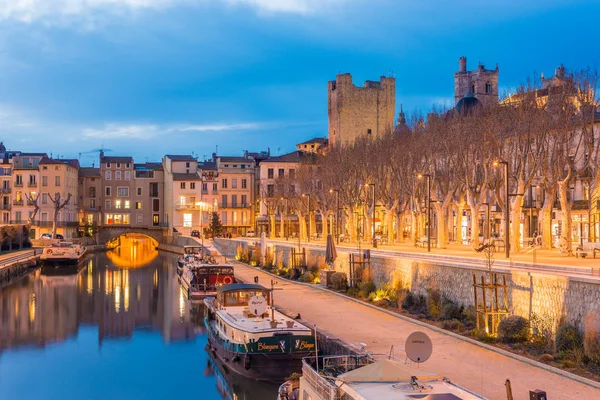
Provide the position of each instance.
(324, 388)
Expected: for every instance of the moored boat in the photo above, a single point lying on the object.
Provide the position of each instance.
(190, 254)
(253, 339)
(200, 280)
(63, 253)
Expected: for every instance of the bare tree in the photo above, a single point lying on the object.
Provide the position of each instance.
(58, 205)
(34, 202)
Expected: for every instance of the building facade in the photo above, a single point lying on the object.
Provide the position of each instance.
(236, 193)
(116, 174)
(183, 190)
(481, 83)
(356, 112)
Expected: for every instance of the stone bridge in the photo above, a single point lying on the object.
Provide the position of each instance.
(108, 233)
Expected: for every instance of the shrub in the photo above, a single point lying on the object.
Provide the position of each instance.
(409, 301)
(514, 329)
(308, 277)
(469, 316)
(453, 325)
(591, 337)
(366, 288)
(339, 281)
(546, 358)
(383, 303)
(434, 303)
(483, 336)
(352, 292)
(373, 296)
(450, 311)
(568, 338)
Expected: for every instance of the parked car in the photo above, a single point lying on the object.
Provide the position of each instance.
(49, 236)
(196, 233)
(250, 233)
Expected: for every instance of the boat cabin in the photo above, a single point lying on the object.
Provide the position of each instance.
(238, 294)
(192, 250)
(212, 275)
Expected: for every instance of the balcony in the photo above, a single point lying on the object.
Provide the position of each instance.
(18, 184)
(5, 207)
(153, 194)
(235, 206)
(32, 184)
(191, 207)
(4, 190)
(18, 202)
(58, 223)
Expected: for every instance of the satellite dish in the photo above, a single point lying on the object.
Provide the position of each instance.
(418, 347)
(257, 305)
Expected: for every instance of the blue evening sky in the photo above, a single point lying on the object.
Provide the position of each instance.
(149, 77)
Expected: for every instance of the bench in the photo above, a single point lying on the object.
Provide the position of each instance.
(579, 251)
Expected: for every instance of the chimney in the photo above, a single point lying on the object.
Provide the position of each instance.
(462, 64)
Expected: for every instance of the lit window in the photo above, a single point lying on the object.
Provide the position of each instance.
(138, 205)
(127, 204)
(109, 219)
(187, 220)
(117, 203)
(126, 219)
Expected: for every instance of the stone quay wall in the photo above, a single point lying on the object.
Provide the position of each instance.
(545, 298)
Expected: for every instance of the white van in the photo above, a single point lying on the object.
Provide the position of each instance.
(250, 233)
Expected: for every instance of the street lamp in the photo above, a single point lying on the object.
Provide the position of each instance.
(373, 216)
(308, 233)
(420, 176)
(201, 207)
(337, 215)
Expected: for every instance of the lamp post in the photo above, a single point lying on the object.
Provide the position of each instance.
(308, 233)
(506, 208)
(420, 176)
(373, 216)
(337, 215)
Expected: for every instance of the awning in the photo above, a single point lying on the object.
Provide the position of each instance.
(386, 371)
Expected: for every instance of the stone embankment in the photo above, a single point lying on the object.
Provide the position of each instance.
(548, 297)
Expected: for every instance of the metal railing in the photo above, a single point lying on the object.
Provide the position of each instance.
(18, 184)
(22, 256)
(324, 388)
(18, 202)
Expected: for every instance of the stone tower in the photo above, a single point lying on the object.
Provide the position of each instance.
(360, 111)
(482, 83)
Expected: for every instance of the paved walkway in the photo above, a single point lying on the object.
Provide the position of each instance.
(469, 365)
(542, 260)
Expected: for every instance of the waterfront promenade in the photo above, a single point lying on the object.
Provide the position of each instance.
(467, 364)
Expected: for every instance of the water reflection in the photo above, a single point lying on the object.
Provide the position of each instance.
(133, 250)
(79, 317)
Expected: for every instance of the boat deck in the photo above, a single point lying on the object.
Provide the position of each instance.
(239, 318)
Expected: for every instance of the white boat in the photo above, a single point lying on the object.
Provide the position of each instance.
(190, 254)
(63, 253)
(362, 377)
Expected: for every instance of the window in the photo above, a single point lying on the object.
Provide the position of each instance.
(140, 218)
(243, 166)
(368, 131)
(139, 191)
(92, 192)
(138, 205)
(215, 188)
(44, 198)
(244, 183)
(234, 183)
(127, 206)
(107, 165)
(224, 217)
(126, 219)
(92, 203)
(192, 185)
(234, 217)
(224, 200)
(292, 173)
(127, 175)
(107, 190)
(57, 181)
(109, 219)
(155, 205)
(107, 204)
(18, 216)
(270, 190)
(187, 220)
(118, 219)
(270, 173)
(488, 87)
(234, 200)
(281, 173)
(117, 203)
(44, 181)
(244, 200)
(154, 190)
(19, 181)
(155, 219)
(118, 165)
(107, 175)
(123, 192)
(244, 217)
(205, 187)
(224, 183)
(182, 185)
(187, 164)
(127, 165)
(118, 175)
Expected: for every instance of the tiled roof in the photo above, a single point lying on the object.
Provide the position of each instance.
(70, 161)
(154, 166)
(294, 156)
(113, 159)
(315, 141)
(174, 157)
(185, 177)
(207, 165)
(227, 159)
(89, 171)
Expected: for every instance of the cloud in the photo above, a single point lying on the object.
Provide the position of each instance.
(221, 127)
(118, 131)
(29, 11)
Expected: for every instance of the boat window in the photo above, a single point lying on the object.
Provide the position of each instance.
(241, 298)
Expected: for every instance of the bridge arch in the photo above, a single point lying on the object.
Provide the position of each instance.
(108, 233)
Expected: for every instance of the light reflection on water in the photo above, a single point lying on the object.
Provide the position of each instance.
(109, 332)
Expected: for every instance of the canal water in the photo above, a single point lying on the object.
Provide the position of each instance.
(117, 327)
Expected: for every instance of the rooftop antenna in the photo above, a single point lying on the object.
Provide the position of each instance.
(217, 149)
(278, 150)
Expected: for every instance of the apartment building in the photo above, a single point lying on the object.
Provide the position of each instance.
(183, 189)
(209, 173)
(148, 204)
(6, 168)
(116, 174)
(236, 177)
(59, 180)
(26, 184)
(90, 187)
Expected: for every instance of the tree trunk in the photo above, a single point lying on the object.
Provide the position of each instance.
(272, 226)
(442, 238)
(399, 228)
(546, 220)
(515, 227)
(459, 218)
(56, 210)
(565, 207)
(351, 223)
(282, 226)
(324, 222)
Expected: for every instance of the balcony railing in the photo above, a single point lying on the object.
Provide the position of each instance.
(4, 190)
(5, 207)
(191, 207)
(235, 206)
(18, 202)
(58, 223)
(32, 184)
(18, 184)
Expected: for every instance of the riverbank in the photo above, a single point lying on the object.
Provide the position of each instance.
(472, 365)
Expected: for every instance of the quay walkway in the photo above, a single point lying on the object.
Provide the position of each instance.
(473, 366)
(14, 263)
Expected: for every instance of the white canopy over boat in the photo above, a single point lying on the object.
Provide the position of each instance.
(386, 371)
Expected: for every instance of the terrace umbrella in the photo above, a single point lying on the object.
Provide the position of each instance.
(330, 252)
